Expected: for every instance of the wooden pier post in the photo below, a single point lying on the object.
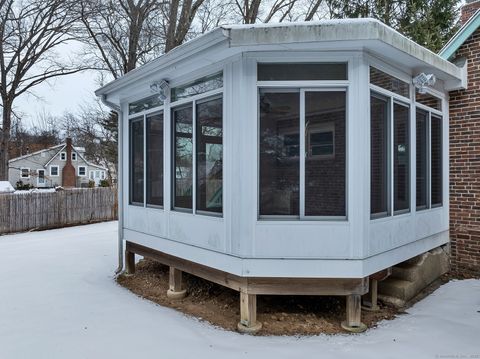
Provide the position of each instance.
(129, 262)
(248, 314)
(175, 283)
(354, 314)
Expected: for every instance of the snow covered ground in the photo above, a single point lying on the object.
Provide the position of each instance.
(58, 299)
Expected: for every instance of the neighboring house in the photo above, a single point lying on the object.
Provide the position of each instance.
(61, 165)
(302, 158)
(465, 145)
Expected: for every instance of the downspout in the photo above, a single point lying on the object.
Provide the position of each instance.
(118, 110)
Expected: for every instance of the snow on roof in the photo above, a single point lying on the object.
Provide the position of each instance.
(6, 187)
(366, 30)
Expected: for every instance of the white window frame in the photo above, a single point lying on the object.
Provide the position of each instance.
(85, 170)
(21, 172)
(323, 128)
(74, 156)
(299, 86)
(58, 171)
(63, 156)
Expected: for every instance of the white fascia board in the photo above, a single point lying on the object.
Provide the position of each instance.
(34, 153)
(177, 54)
(357, 30)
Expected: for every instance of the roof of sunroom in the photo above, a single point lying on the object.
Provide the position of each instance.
(335, 35)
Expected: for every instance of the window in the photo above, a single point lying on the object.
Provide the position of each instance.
(197, 87)
(325, 173)
(209, 133)
(136, 161)
(388, 82)
(25, 172)
(82, 171)
(183, 157)
(74, 156)
(54, 171)
(299, 72)
(429, 100)
(384, 174)
(279, 152)
(154, 134)
(144, 104)
(321, 141)
(63, 156)
(379, 154)
(421, 159)
(322, 182)
(436, 160)
(401, 158)
(198, 156)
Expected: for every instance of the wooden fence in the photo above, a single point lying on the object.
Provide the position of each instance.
(37, 210)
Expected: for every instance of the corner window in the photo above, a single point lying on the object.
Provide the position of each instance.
(209, 145)
(154, 144)
(63, 156)
(136, 161)
(197, 87)
(82, 171)
(389, 118)
(183, 157)
(198, 156)
(436, 160)
(319, 189)
(389, 82)
(144, 104)
(54, 171)
(25, 172)
(74, 156)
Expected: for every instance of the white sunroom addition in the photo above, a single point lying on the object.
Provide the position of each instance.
(301, 151)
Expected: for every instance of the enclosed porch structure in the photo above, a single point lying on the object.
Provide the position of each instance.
(295, 158)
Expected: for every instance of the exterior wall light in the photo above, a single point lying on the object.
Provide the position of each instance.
(161, 88)
(423, 81)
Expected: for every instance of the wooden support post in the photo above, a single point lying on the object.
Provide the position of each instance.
(175, 290)
(371, 298)
(129, 262)
(248, 314)
(354, 323)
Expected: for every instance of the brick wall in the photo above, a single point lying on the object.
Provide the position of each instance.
(468, 10)
(465, 165)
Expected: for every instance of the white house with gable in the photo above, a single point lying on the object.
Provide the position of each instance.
(46, 168)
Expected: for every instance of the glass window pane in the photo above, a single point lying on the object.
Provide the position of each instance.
(301, 71)
(428, 100)
(325, 154)
(136, 161)
(379, 153)
(279, 153)
(388, 82)
(144, 104)
(436, 153)
(183, 157)
(401, 154)
(209, 156)
(421, 159)
(154, 135)
(198, 87)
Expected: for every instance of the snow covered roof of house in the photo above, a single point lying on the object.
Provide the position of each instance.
(461, 36)
(328, 35)
(6, 187)
(60, 147)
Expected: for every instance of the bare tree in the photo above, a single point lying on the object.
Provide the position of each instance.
(121, 34)
(178, 24)
(30, 32)
(251, 10)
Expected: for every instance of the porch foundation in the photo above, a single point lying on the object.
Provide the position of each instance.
(175, 290)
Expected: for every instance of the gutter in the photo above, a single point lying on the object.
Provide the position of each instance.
(118, 110)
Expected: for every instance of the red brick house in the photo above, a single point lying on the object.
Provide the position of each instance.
(465, 146)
